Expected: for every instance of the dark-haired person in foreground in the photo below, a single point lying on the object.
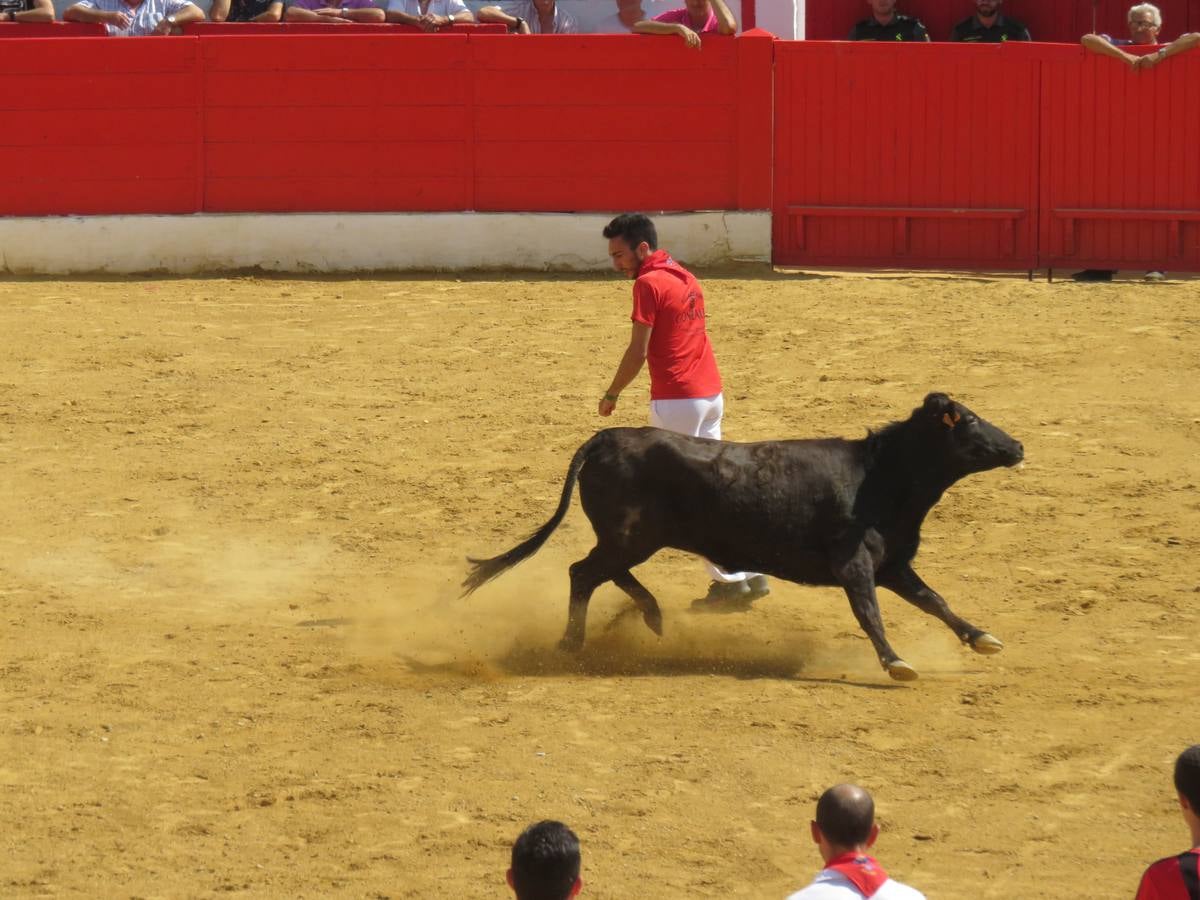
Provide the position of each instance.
(669, 335)
(844, 830)
(545, 863)
(1178, 877)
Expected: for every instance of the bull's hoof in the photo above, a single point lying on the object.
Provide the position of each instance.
(986, 644)
(654, 622)
(901, 671)
(570, 644)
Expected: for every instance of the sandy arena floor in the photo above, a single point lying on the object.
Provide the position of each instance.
(233, 516)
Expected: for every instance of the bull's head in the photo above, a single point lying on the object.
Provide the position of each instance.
(963, 440)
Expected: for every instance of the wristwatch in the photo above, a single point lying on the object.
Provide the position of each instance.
(517, 26)
(171, 20)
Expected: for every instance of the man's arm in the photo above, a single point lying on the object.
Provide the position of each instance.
(1097, 44)
(299, 14)
(219, 11)
(726, 23)
(43, 11)
(627, 370)
(273, 13)
(368, 14)
(496, 14)
(1179, 45)
(83, 12)
(649, 26)
(182, 14)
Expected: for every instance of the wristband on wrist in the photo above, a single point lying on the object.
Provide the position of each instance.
(611, 398)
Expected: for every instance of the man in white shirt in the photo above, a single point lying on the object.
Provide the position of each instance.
(133, 18)
(843, 831)
(428, 15)
(531, 17)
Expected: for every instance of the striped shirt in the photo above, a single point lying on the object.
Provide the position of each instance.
(143, 18)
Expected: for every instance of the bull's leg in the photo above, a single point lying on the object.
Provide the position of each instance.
(645, 601)
(908, 584)
(586, 575)
(857, 577)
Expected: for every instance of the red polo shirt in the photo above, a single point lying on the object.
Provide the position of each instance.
(669, 299)
(1168, 879)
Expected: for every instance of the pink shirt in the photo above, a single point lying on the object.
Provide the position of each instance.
(681, 17)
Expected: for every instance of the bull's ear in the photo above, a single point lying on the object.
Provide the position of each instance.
(937, 405)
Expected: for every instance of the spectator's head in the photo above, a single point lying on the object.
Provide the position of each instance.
(1187, 781)
(987, 9)
(845, 821)
(631, 238)
(1144, 22)
(545, 863)
(630, 12)
(883, 10)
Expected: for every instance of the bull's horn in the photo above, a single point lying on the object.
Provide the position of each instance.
(985, 643)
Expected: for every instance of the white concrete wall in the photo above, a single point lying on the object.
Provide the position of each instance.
(783, 18)
(343, 242)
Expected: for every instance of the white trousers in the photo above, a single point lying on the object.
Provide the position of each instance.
(699, 417)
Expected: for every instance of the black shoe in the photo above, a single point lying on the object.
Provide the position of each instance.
(1094, 275)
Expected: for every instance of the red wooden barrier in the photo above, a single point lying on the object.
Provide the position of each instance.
(904, 156)
(292, 28)
(99, 125)
(1120, 172)
(597, 123)
(51, 29)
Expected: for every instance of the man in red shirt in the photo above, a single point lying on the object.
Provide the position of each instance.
(689, 22)
(1176, 878)
(669, 334)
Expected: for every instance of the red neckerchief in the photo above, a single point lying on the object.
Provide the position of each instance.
(861, 871)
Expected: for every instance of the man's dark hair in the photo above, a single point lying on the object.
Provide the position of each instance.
(1187, 776)
(545, 861)
(634, 228)
(845, 814)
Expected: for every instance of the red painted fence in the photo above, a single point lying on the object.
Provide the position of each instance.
(1016, 156)
(1063, 21)
(373, 122)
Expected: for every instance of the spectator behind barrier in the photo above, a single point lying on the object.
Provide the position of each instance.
(989, 26)
(689, 22)
(843, 831)
(333, 12)
(628, 14)
(428, 15)
(1176, 877)
(27, 11)
(531, 17)
(135, 18)
(1144, 21)
(885, 24)
(545, 863)
(246, 10)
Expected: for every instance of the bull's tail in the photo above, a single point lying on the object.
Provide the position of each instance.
(484, 570)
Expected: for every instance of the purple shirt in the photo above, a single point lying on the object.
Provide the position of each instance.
(681, 17)
(332, 4)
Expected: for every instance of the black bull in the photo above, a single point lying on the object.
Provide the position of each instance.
(824, 512)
